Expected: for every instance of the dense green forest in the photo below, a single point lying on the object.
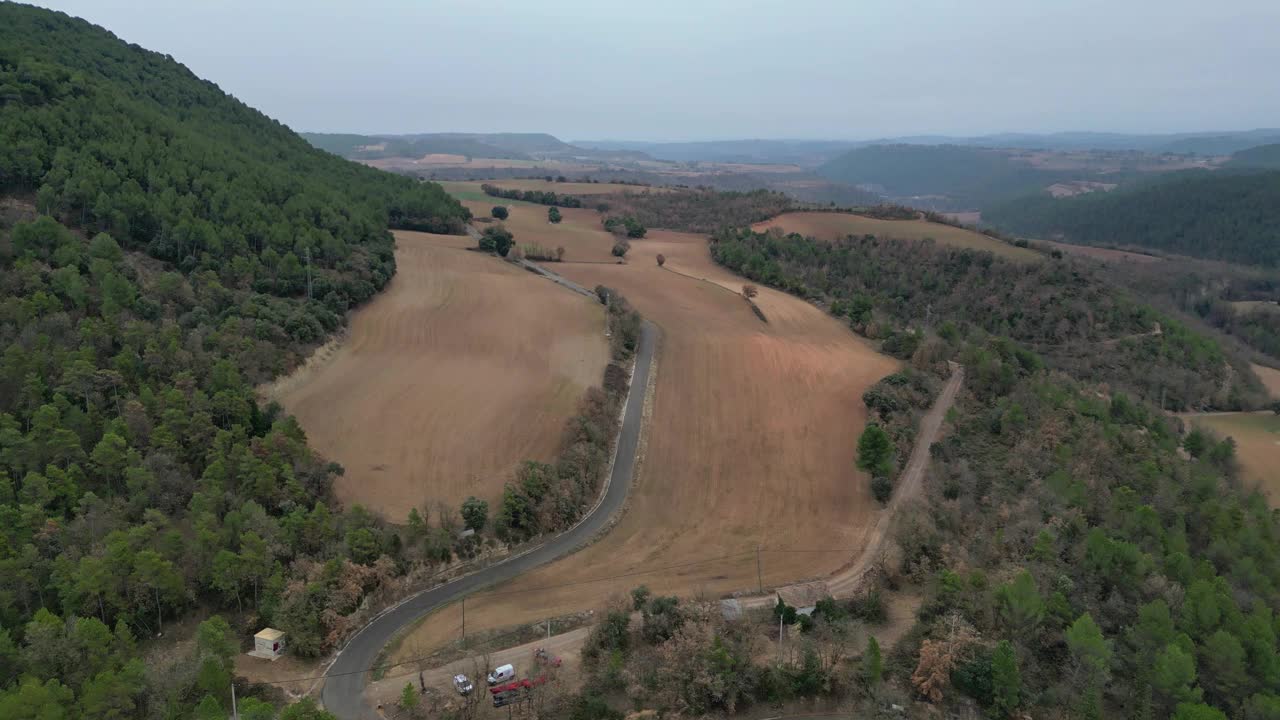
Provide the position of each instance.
(163, 248)
(1059, 309)
(1209, 291)
(1081, 557)
(961, 177)
(1264, 157)
(1220, 216)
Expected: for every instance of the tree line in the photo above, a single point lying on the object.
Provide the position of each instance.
(549, 497)
(540, 197)
(699, 209)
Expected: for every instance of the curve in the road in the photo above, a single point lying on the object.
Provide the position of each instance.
(343, 692)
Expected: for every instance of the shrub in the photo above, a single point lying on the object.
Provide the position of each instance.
(882, 489)
(496, 239)
(499, 212)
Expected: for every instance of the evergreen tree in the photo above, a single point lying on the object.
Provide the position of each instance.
(875, 451)
(872, 664)
(1006, 681)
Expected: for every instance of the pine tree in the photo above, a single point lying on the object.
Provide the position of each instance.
(872, 664)
(1006, 681)
(409, 697)
(875, 451)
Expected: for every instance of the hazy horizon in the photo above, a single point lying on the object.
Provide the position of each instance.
(672, 72)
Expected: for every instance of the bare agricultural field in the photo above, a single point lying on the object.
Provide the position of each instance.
(1245, 306)
(751, 442)
(834, 225)
(580, 232)
(463, 367)
(1257, 436)
(1270, 378)
(1101, 253)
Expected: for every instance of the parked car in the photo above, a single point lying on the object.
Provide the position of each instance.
(502, 673)
(462, 684)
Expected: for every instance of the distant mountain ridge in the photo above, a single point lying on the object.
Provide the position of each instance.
(506, 146)
(1212, 143)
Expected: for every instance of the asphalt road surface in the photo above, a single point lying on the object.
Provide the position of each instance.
(343, 693)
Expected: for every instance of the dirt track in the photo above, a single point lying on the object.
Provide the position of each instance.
(752, 441)
(462, 368)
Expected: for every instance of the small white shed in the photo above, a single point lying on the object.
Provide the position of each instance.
(268, 644)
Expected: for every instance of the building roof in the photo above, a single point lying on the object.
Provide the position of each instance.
(269, 634)
(804, 595)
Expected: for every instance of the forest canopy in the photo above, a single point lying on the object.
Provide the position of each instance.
(1217, 216)
(163, 249)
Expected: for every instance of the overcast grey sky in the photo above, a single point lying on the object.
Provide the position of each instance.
(719, 69)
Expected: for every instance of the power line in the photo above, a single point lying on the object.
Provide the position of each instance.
(511, 592)
(606, 578)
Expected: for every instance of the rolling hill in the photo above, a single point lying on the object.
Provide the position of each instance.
(163, 249)
(1218, 216)
(1265, 157)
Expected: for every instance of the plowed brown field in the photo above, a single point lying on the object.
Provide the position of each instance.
(580, 232)
(463, 367)
(751, 441)
(834, 225)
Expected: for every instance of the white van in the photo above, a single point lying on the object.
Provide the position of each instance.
(502, 673)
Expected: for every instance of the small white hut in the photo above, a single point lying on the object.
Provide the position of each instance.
(268, 644)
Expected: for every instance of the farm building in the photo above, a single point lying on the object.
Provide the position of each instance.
(268, 644)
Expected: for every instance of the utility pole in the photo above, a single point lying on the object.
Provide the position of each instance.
(780, 637)
(308, 252)
(759, 576)
(464, 622)
(235, 714)
(548, 628)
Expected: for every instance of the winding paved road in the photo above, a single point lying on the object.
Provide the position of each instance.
(343, 693)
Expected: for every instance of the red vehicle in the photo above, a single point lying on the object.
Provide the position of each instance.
(518, 685)
(514, 691)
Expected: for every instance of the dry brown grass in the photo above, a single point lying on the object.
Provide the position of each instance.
(752, 440)
(1270, 378)
(1105, 254)
(1245, 306)
(833, 226)
(1257, 436)
(463, 367)
(579, 231)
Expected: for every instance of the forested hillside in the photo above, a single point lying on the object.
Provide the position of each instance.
(1263, 156)
(1219, 216)
(164, 247)
(1081, 559)
(961, 177)
(1060, 310)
